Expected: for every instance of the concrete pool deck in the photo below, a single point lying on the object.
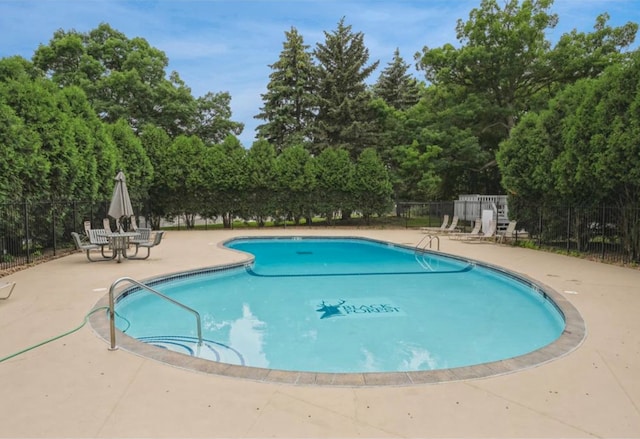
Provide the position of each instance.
(75, 387)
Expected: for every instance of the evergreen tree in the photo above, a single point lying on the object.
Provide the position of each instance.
(90, 139)
(226, 179)
(334, 182)
(260, 168)
(48, 122)
(373, 190)
(23, 167)
(395, 86)
(132, 159)
(395, 91)
(295, 177)
(157, 143)
(186, 175)
(289, 103)
(344, 119)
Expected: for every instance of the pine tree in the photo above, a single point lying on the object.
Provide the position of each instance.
(289, 102)
(395, 86)
(343, 120)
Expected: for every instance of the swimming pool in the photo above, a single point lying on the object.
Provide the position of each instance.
(347, 306)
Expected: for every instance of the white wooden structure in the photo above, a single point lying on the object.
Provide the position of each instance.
(470, 207)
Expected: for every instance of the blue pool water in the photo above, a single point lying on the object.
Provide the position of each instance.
(346, 305)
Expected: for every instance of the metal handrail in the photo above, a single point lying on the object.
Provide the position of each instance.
(423, 262)
(428, 243)
(112, 310)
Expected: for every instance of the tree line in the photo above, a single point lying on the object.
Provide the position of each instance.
(500, 111)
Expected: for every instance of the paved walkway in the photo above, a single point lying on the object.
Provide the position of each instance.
(76, 387)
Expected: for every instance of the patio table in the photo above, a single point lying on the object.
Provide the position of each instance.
(119, 242)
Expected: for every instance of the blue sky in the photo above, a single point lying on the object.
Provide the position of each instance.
(227, 45)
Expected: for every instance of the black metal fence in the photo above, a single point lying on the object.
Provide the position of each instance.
(604, 233)
(32, 231)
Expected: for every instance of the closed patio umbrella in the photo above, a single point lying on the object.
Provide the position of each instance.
(120, 202)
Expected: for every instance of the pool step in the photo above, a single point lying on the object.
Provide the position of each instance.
(210, 350)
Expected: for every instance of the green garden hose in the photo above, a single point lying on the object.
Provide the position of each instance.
(86, 319)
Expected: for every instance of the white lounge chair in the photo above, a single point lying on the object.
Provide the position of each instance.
(509, 232)
(474, 232)
(453, 226)
(7, 285)
(443, 227)
(485, 235)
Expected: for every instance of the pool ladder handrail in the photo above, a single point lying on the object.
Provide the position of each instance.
(430, 238)
(112, 310)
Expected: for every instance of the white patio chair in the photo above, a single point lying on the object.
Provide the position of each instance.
(106, 225)
(87, 247)
(148, 245)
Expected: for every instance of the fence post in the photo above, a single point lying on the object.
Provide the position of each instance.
(540, 208)
(568, 229)
(27, 238)
(75, 216)
(464, 213)
(604, 219)
(53, 226)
